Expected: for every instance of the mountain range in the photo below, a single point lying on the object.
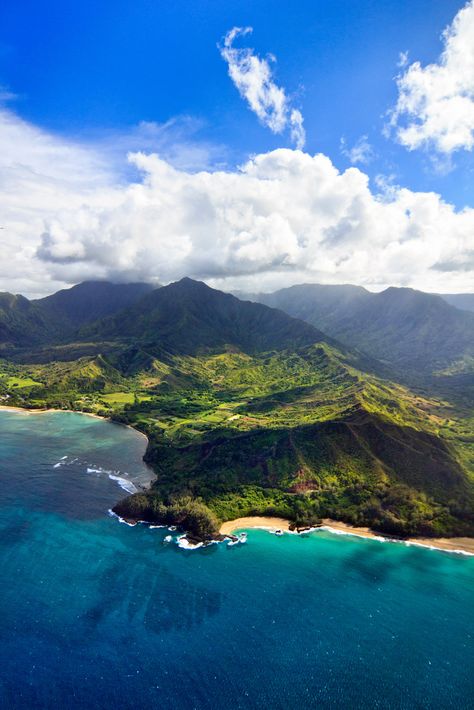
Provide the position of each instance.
(406, 329)
(249, 409)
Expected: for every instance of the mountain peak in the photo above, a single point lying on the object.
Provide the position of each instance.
(187, 283)
(188, 316)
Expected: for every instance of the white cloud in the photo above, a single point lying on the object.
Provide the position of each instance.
(361, 152)
(402, 59)
(435, 106)
(297, 132)
(283, 217)
(253, 78)
(178, 140)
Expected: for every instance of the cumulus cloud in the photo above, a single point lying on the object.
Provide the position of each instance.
(253, 78)
(435, 106)
(283, 217)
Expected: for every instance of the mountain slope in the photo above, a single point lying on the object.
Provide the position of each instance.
(249, 410)
(89, 301)
(22, 323)
(316, 303)
(188, 316)
(464, 301)
(304, 435)
(406, 328)
(25, 323)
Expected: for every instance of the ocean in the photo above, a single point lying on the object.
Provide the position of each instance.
(97, 614)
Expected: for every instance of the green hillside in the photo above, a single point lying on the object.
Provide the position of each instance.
(21, 322)
(248, 410)
(188, 317)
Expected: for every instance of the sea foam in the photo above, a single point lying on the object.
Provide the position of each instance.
(124, 483)
(184, 543)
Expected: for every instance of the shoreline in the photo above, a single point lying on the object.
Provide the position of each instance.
(255, 521)
(26, 410)
(460, 545)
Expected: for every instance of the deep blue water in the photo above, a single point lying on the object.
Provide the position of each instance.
(95, 614)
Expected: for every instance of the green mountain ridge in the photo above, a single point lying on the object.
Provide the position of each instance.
(89, 301)
(25, 323)
(187, 317)
(21, 322)
(408, 330)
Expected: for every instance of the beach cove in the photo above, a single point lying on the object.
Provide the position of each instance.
(461, 545)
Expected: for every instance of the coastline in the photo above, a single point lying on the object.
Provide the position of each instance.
(25, 410)
(254, 521)
(461, 545)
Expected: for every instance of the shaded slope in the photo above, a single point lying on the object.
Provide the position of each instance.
(464, 301)
(400, 326)
(89, 301)
(188, 317)
(44, 321)
(22, 323)
(319, 304)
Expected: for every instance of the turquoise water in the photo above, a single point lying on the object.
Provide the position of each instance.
(95, 614)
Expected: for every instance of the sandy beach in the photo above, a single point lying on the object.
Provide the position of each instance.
(24, 410)
(265, 523)
(454, 544)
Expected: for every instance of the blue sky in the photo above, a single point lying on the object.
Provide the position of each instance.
(89, 73)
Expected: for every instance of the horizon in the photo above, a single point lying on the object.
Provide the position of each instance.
(234, 292)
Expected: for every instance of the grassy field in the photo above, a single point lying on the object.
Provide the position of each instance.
(20, 382)
(121, 398)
